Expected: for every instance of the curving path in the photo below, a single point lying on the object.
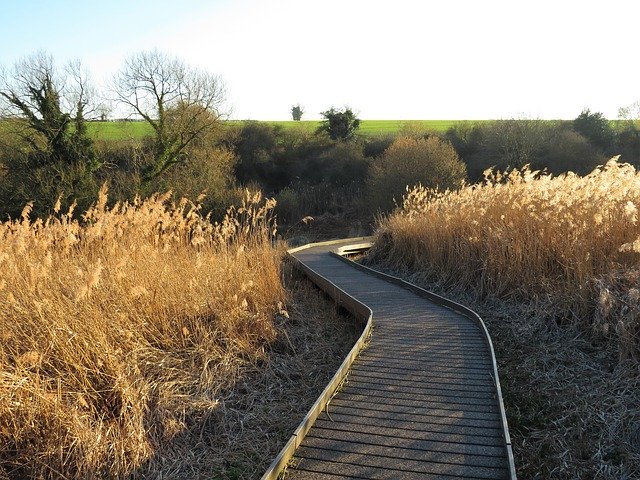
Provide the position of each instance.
(421, 401)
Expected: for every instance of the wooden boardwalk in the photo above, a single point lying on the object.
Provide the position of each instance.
(421, 401)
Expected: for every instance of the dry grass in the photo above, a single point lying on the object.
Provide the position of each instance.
(552, 263)
(270, 396)
(121, 331)
(530, 237)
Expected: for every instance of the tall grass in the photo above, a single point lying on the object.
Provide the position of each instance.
(120, 328)
(567, 245)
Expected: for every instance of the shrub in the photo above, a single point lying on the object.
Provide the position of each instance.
(25, 181)
(375, 145)
(271, 156)
(414, 129)
(289, 209)
(339, 124)
(627, 142)
(508, 144)
(207, 175)
(515, 143)
(467, 138)
(301, 200)
(339, 164)
(568, 151)
(431, 162)
(595, 128)
(501, 144)
(257, 145)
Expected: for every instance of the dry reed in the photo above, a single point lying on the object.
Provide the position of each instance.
(552, 265)
(120, 330)
(527, 236)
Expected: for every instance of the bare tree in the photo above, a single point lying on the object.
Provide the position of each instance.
(630, 112)
(48, 107)
(182, 104)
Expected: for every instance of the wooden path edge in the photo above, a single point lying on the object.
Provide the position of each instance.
(364, 313)
(361, 312)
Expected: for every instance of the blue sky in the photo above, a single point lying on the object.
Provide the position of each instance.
(397, 59)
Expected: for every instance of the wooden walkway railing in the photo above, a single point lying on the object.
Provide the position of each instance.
(421, 401)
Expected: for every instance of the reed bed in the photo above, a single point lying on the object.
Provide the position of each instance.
(567, 244)
(552, 265)
(121, 328)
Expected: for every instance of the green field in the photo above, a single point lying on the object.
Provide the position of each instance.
(374, 127)
(125, 130)
(377, 127)
(121, 130)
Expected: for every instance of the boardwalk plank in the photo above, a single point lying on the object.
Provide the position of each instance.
(398, 431)
(392, 400)
(474, 454)
(432, 378)
(418, 409)
(415, 394)
(408, 422)
(426, 367)
(412, 361)
(415, 462)
(345, 470)
(404, 414)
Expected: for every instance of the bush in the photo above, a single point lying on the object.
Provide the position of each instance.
(517, 142)
(207, 176)
(301, 200)
(569, 151)
(595, 128)
(627, 142)
(340, 164)
(375, 145)
(271, 156)
(502, 144)
(431, 162)
(467, 138)
(256, 146)
(339, 124)
(25, 181)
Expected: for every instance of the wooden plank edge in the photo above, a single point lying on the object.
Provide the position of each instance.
(367, 240)
(457, 307)
(361, 312)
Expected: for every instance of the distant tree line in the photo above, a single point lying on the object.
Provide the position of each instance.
(557, 146)
(47, 153)
(315, 174)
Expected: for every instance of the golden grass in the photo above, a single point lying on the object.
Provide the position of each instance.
(120, 329)
(526, 236)
(551, 264)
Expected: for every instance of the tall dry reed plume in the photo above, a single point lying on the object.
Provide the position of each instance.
(570, 245)
(119, 329)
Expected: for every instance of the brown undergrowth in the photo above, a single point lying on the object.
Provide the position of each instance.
(131, 335)
(269, 398)
(552, 265)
